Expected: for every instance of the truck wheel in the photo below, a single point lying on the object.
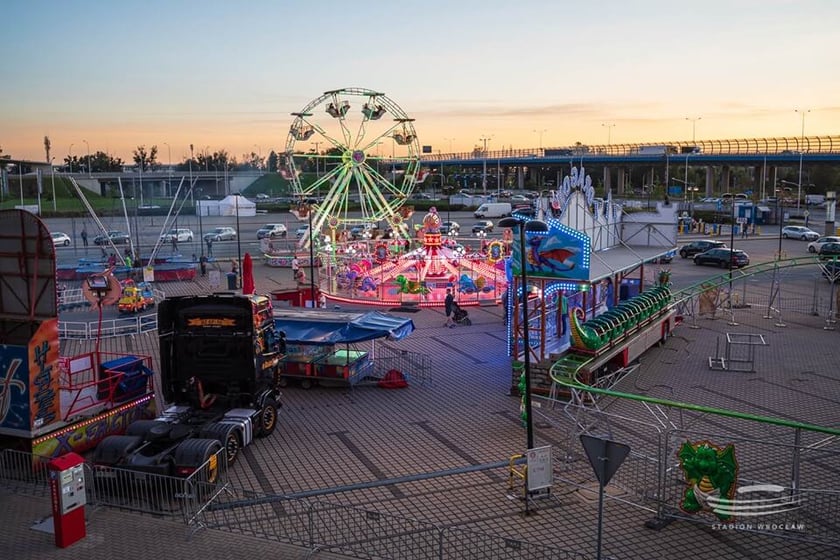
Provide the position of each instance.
(305, 383)
(227, 435)
(114, 449)
(196, 452)
(267, 419)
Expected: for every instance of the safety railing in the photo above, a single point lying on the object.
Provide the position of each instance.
(360, 533)
(782, 472)
(24, 473)
(121, 326)
(414, 366)
(157, 494)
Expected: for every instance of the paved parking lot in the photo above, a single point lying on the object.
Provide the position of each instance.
(330, 438)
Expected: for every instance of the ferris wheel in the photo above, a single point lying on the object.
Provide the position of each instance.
(354, 155)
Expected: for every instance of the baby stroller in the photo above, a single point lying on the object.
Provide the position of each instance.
(460, 315)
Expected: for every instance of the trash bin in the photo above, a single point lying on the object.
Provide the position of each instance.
(231, 278)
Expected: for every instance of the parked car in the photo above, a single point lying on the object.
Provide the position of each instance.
(302, 231)
(723, 257)
(221, 234)
(420, 196)
(272, 231)
(814, 246)
(115, 237)
(179, 235)
(699, 246)
(449, 228)
(829, 250)
(482, 225)
(359, 230)
(799, 232)
(666, 258)
(519, 198)
(60, 239)
(262, 196)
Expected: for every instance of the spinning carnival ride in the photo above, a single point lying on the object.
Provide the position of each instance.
(351, 138)
(391, 272)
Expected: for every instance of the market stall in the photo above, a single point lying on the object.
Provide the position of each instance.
(326, 345)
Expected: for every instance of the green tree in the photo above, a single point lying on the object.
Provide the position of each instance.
(47, 146)
(145, 160)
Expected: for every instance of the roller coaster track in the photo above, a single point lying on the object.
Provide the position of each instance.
(566, 370)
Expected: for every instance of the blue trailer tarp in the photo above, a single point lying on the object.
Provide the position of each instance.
(313, 326)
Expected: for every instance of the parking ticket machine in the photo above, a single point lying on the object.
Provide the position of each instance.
(67, 488)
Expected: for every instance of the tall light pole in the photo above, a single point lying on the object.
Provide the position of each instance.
(523, 224)
(450, 143)
(693, 126)
(259, 152)
(484, 139)
(200, 228)
(206, 165)
(52, 176)
(70, 157)
(88, 155)
(169, 165)
(609, 127)
(317, 153)
(802, 112)
(541, 132)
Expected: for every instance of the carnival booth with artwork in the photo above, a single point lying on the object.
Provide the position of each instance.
(589, 267)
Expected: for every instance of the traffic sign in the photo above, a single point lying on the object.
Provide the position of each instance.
(605, 456)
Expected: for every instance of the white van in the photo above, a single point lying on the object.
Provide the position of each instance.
(493, 210)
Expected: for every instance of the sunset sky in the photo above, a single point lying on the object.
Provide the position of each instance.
(113, 75)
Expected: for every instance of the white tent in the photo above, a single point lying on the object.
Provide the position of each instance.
(228, 206)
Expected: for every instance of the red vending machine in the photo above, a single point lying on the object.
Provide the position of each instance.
(67, 488)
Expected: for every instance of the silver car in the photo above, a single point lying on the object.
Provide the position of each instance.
(799, 232)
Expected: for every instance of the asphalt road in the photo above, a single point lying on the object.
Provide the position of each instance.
(151, 227)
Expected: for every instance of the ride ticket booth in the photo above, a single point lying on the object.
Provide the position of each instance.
(67, 489)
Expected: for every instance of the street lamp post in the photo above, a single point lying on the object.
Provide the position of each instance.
(259, 153)
(70, 157)
(88, 155)
(532, 226)
(450, 144)
(693, 126)
(541, 132)
(169, 165)
(52, 177)
(802, 112)
(609, 126)
(484, 139)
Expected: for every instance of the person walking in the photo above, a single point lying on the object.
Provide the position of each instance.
(174, 243)
(209, 247)
(84, 236)
(202, 264)
(296, 268)
(448, 306)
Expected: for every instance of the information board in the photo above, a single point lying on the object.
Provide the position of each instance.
(540, 468)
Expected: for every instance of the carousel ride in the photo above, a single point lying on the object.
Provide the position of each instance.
(418, 271)
(358, 230)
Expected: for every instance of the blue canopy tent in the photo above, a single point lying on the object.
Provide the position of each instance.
(311, 335)
(312, 326)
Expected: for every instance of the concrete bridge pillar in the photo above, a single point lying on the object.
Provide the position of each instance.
(725, 179)
(621, 176)
(710, 180)
(607, 179)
